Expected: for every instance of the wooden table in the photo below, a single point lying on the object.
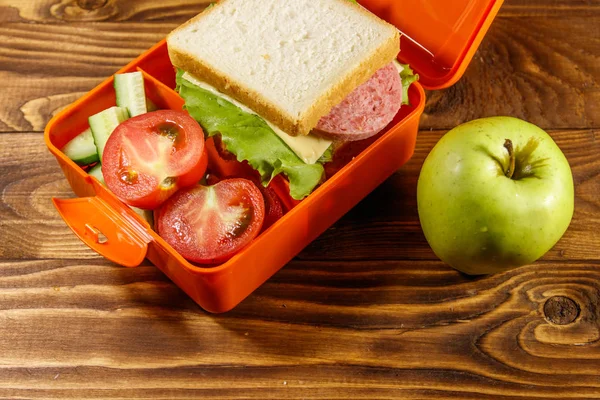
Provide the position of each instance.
(366, 311)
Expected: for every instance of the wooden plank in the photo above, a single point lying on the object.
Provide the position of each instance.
(178, 11)
(545, 70)
(384, 226)
(549, 8)
(76, 329)
(50, 11)
(85, 57)
(366, 311)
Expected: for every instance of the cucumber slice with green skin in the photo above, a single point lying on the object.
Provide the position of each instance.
(96, 172)
(147, 215)
(130, 92)
(150, 105)
(82, 148)
(104, 123)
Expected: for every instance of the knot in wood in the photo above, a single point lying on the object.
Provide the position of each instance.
(561, 310)
(91, 5)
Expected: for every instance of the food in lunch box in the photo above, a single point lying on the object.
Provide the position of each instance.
(210, 224)
(280, 81)
(147, 158)
(324, 80)
(160, 155)
(88, 147)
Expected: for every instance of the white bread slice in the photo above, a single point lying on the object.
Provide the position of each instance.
(289, 61)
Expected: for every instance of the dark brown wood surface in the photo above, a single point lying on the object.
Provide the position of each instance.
(366, 311)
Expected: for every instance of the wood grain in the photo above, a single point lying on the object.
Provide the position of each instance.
(85, 57)
(60, 11)
(528, 68)
(177, 11)
(366, 311)
(361, 325)
(554, 8)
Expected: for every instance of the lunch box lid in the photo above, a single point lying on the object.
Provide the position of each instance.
(439, 37)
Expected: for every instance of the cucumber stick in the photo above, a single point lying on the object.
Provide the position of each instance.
(104, 123)
(150, 105)
(130, 92)
(82, 148)
(147, 215)
(96, 172)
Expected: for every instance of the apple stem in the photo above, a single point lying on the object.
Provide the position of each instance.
(511, 158)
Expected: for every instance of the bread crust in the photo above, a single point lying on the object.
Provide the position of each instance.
(293, 125)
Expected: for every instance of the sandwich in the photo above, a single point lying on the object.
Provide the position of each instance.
(280, 83)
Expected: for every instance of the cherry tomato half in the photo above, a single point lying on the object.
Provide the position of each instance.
(273, 206)
(210, 224)
(223, 165)
(149, 157)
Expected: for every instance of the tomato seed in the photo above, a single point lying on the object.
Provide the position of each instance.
(169, 130)
(241, 224)
(128, 176)
(168, 182)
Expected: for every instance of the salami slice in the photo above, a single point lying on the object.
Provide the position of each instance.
(367, 110)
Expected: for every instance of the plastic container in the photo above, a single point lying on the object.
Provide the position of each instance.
(439, 39)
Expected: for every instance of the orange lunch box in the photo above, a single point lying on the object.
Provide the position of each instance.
(439, 39)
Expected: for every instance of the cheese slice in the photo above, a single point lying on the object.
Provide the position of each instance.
(398, 66)
(308, 148)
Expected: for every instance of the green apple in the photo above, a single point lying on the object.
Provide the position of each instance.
(494, 194)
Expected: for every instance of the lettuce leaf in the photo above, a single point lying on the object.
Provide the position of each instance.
(250, 138)
(327, 156)
(408, 77)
